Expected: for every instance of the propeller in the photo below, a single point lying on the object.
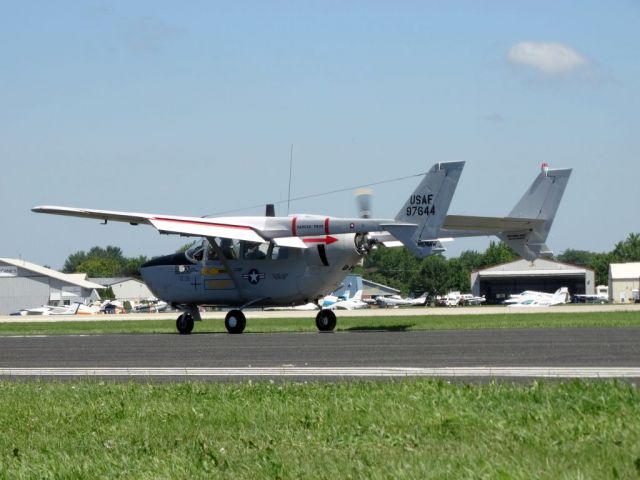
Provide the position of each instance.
(364, 242)
(363, 199)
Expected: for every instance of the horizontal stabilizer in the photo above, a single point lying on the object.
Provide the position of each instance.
(526, 228)
(464, 225)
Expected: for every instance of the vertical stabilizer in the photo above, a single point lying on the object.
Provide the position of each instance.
(422, 215)
(540, 202)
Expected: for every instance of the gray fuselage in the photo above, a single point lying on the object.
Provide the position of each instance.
(249, 273)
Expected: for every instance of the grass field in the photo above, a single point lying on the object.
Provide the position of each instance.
(505, 320)
(410, 429)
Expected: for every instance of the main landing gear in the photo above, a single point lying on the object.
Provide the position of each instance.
(235, 321)
(184, 323)
(326, 320)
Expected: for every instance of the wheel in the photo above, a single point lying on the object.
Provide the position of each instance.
(326, 320)
(184, 324)
(235, 321)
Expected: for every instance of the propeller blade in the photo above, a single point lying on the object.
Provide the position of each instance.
(363, 199)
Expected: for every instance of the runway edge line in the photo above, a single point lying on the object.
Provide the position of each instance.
(373, 372)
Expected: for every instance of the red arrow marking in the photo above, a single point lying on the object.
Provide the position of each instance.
(328, 240)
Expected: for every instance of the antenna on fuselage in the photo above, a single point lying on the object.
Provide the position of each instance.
(290, 170)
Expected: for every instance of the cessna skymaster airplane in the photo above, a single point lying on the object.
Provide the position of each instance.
(284, 261)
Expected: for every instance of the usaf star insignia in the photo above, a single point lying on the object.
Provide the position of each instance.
(254, 276)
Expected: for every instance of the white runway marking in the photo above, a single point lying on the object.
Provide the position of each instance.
(287, 371)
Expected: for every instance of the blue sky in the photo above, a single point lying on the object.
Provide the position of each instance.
(191, 107)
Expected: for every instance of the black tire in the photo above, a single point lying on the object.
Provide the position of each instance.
(184, 324)
(235, 321)
(326, 320)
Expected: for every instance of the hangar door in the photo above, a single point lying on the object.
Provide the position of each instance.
(497, 289)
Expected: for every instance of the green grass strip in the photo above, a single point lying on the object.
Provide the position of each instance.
(392, 323)
(407, 429)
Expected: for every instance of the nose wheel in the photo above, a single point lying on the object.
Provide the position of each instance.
(184, 324)
(235, 321)
(326, 320)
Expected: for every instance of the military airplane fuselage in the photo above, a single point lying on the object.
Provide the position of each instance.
(235, 273)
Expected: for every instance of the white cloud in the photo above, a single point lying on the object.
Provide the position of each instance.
(550, 58)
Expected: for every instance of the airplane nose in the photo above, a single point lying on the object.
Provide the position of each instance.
(166, 260)
(156, 271)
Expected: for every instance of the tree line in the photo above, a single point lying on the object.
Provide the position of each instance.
(395, 267)
(438, 275)
(106, 262)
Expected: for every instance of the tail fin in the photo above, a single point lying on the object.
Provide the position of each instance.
(540, 202)
(423, 213)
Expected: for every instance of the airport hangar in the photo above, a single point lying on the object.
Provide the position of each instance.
(624, 282)
(498, 282)
(24, 285)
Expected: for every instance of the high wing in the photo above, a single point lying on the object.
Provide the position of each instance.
(187, 226)
(283, 231)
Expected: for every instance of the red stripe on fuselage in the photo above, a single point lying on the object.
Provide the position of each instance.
(294, 220)
(328, 240)
(326, 225)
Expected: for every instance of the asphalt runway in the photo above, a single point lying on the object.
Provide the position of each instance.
(507, 353)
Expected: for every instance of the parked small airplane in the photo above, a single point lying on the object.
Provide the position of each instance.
(530, 298)
(393, 301)
(451, 299)
(294, 260)
(601, 296)
(455, 298)
(468, 299)
(348, 296)
(351, 303)
(76, 308)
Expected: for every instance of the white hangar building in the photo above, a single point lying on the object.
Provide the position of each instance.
(624, 282)
(25, 285)
(498, 282)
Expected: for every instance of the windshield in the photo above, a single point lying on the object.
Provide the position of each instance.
(200, 251)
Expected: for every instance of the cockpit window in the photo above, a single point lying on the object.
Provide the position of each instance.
(233, 249)
(279, 253)
(255, 251)
(230, 248)
(199, 252)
